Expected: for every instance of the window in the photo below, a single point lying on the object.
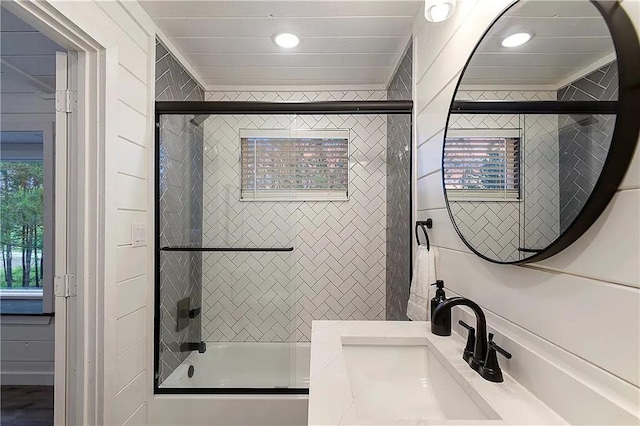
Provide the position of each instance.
(22, 212)
(290, 165)
(482, 165)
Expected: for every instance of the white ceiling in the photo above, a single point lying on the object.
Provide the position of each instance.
(569, 37)
(27, 57)
(343, 42)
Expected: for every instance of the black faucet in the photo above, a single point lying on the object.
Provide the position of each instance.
(483, 359)
(439, 328)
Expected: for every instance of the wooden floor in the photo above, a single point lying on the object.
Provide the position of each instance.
(26, 405)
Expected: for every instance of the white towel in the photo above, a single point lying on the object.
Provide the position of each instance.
(424, 274)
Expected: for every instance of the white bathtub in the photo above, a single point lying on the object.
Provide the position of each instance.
(237, 365)
(245, 365)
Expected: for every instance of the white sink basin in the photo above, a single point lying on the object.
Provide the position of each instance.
(401, 380)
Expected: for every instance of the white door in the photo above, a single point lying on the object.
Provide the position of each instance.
(65, 280)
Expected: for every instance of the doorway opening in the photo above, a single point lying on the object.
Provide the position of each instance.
(37, 78)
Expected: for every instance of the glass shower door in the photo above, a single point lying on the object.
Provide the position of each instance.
(237, 253)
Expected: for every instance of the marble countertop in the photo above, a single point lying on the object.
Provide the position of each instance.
(331, 397)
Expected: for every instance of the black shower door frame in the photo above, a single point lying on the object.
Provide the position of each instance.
(243, 108)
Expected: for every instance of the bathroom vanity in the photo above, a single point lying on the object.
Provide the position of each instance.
(382, 373)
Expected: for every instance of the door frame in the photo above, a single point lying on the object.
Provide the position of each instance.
(63, 357)
(81, 401)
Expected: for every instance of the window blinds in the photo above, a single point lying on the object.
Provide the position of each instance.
(482, 168)
(294, 165)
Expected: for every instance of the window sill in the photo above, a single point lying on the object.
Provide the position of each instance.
(20, 293)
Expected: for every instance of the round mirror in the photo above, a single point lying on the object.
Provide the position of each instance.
(542, 127)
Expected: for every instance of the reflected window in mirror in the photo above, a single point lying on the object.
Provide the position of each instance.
(482, 165)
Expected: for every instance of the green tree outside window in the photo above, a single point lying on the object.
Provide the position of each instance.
(21, 224)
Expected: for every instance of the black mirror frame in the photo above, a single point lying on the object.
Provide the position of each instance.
(623, 141)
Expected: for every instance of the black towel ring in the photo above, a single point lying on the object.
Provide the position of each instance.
(421, 224)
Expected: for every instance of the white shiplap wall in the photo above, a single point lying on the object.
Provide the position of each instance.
(27, 349)
(128, 35)
(580, 309)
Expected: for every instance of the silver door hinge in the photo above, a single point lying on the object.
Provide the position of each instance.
(66, 285)
(66, 100)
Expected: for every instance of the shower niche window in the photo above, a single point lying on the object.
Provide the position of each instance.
(294, 165)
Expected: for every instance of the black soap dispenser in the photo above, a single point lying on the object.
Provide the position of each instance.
(438, 299)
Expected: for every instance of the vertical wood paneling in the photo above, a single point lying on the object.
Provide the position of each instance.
(429, 155)
(134, 159)
(545, 304)
(432, 39)
(132, 125)
(130, 399)
(139, 418)
(430, 195)
(124, 219)
(130, 331)
(131, 262)
(125, 24)
(130, 364)
(133, 192)
(129, 40)
(131, 295)
(632, 178)
(27, 353)
(599, 252)
(132, 91)
(432, 119)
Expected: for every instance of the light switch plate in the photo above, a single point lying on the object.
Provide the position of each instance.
(138, 234)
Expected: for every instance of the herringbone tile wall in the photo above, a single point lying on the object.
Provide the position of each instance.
(399, 194)
(540, 209)
(180, 209)
(498, 229)
(584, 140)
(337, 270)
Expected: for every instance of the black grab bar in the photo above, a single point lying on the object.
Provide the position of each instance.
(208, 249)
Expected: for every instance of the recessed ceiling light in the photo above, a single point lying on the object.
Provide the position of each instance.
(439, 10)
(517, 39)
(286, 40)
